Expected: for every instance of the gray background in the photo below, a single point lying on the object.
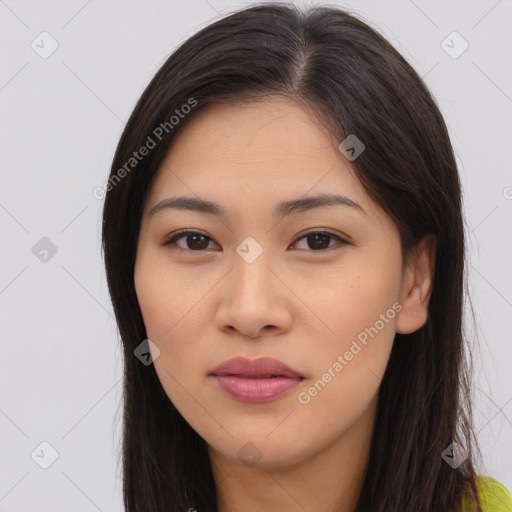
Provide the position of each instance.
(61, 117)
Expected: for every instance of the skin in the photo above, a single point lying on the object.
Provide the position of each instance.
(295, 302)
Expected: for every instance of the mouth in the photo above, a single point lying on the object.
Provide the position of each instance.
(259, 380)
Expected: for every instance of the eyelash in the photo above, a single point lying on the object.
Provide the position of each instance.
(183, 233)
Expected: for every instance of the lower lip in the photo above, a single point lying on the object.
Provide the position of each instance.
(256, 390)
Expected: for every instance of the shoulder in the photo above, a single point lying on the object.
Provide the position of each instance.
(494, 496)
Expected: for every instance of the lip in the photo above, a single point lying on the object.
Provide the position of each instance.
(260, 367)
(259, 380)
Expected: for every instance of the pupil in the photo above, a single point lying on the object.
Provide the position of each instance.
(325, 237)
(196, 246)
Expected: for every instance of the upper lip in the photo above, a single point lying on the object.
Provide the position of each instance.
(261, 367)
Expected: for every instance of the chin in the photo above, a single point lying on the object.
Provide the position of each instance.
(264, 454)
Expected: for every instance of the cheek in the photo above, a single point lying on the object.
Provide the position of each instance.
(170, 312)
(349, 369)
(360, 307)
(166, 296)
(173, 310)
(354, 296)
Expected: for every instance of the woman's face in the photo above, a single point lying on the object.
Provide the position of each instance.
(252, 284)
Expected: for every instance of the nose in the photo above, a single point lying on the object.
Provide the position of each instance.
(254, 300)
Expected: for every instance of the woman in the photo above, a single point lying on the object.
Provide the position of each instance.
(284, 248)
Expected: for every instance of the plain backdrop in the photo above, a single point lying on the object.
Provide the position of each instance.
(61, 117)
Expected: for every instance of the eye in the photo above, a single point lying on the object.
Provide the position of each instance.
(197, 241)
(319, 240)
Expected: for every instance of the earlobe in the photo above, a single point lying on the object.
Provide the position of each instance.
(417, 286)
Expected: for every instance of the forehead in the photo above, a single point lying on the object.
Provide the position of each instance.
(266, 150)
(244, 125)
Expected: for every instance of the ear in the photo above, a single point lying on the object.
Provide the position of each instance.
(417, 284)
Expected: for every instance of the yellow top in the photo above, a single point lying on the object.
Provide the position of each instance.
(494, 496)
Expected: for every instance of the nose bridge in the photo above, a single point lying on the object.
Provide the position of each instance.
(251, 266)
(251, 302)
(254, 298)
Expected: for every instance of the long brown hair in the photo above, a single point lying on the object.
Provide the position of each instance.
(355, 82)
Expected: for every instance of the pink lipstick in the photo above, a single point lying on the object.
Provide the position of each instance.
(256, 381)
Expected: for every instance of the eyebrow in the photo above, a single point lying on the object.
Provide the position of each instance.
(283, 209)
